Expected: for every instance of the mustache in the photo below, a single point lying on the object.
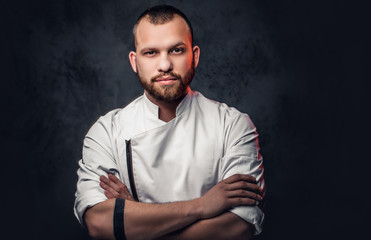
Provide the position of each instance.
(172, 74)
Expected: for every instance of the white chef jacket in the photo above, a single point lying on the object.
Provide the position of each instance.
(163, 162)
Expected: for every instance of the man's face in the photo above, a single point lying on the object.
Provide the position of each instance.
(164, 59)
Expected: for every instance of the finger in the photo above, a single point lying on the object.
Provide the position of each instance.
(104, 179)
(238, 201)
(129, 197)
(108, 194)
(113, 178)
(110, 183)
(240, 177)
(120, 193)
(115, 187)
(120, 185)
(244, 185)
(108, 188)
(103, 185)
(125, 190)
(117, 184)
(244, 194)
(108, 180)
(113, 192)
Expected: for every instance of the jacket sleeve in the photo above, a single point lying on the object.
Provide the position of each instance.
(242, 157)
(97, 159)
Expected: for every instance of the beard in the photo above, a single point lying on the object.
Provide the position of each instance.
(168, 93)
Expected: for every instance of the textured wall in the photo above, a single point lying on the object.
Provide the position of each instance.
(296, 68)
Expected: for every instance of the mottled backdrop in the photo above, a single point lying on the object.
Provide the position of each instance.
(298, 68)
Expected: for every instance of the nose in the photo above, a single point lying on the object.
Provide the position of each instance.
(164, 64)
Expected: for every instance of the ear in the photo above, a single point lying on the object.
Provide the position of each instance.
(196, 55)
(133, 60)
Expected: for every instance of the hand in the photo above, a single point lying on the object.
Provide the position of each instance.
(237, 190)
(114, 188)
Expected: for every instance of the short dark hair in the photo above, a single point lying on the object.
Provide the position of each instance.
(161, 14)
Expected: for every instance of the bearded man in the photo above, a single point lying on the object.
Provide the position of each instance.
(172, 164)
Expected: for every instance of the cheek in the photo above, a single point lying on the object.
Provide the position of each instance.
(144, 67)
(184, 64)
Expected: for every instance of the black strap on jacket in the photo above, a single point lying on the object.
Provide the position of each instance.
(118, 219)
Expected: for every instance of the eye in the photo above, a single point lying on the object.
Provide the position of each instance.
(150, 53)
(177, 51)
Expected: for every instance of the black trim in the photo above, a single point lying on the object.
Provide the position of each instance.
(118, 219)
(129, 162)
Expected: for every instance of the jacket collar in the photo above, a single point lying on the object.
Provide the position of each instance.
(183, 106)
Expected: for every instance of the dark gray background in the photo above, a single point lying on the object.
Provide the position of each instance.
(298, 68)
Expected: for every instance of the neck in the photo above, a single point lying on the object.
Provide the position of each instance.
(166, 110)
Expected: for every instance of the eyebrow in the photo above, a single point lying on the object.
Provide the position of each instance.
(178, 44)
(151, 48)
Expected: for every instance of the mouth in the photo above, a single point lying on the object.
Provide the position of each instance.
(166, 80)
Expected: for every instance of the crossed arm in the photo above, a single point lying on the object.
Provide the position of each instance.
(206, 217)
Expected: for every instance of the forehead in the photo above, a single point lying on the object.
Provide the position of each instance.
(151, 35)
